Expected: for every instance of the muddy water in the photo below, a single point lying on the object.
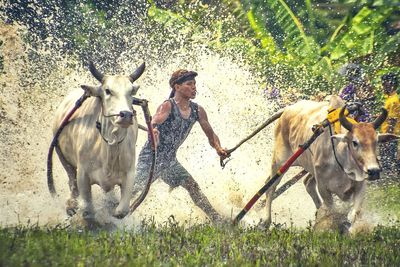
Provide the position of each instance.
(229, 92)
(32, 87)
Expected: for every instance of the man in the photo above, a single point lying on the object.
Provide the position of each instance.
(392, 124)
(172, 123)
(359, 90)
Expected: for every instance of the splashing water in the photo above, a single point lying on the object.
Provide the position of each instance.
(35, 80)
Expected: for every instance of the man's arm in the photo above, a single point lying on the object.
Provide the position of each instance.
(212, 137)
(161, 115)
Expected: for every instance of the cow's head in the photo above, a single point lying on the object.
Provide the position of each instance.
(116, 93)
(358, 147)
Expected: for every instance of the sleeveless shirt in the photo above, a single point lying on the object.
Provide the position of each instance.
(173, 132)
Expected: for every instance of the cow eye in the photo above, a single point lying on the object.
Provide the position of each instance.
(108, 92)
(355, 144)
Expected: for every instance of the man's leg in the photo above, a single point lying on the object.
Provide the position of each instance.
(200, 199)
(142, 174)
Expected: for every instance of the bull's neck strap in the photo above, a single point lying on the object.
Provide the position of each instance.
(98, 127)
(334, 150)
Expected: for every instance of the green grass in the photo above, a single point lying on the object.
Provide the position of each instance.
(385, 199)
(172, 244)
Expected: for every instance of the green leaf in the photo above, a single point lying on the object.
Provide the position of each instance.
(167, 18)
(265, 38)
(359, 39)
(382, 53)
(296, 41)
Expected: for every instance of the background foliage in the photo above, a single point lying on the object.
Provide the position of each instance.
(291, 44)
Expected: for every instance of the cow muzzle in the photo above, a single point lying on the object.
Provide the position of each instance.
(373, 174)
(125, 118)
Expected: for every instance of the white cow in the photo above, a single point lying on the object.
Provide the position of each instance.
(355, 150)
(98, 144)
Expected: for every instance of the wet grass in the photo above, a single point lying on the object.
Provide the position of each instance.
(172, 244)
(384, 198)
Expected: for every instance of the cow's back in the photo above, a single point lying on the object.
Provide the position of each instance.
(297, 120)
(294, 128)
(80, 133)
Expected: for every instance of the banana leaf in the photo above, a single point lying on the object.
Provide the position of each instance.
(382, 53)
(359, 39)
(267, 42)
(168, 18)
(295, 40)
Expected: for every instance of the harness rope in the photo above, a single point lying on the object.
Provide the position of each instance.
(262, 126)
(334, 150)
(54, 142)
(144, 104)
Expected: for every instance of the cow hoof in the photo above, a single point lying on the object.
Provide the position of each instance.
(120, 215)
(87, 215)
(263, 225)
(72, 207)
(71, 212)
(344, 227)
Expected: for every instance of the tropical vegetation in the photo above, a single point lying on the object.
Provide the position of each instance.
(292, 44)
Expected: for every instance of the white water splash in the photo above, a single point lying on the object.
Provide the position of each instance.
(230, 93)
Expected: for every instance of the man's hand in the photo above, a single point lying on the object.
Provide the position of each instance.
(222, 152)
(156, 134)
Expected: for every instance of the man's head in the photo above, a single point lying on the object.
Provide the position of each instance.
(182, 80)
(352, 72)
(389, 83)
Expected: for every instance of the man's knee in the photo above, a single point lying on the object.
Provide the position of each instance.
(190, 184)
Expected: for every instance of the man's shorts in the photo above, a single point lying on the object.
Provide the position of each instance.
(172, 173)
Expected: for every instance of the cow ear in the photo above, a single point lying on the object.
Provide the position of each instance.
(382, 138)
(91, 90)
(135, 88)
(339, 137)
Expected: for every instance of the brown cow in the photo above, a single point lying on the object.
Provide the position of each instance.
(344, 175)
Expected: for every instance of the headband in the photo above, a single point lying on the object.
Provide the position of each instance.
(187, 76)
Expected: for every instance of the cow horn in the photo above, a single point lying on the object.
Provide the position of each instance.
(138, 72)
(97, 74)
(343, 120)
(378, 121)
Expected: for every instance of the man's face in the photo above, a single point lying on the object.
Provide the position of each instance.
(187, 89)
(388, 87)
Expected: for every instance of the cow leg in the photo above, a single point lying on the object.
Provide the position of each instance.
(311, 187)
(126, 192)
(281, 153)
(322, 177)
(72, 202)
(358, 198)
(268, 204)
(270, 193)
(85, 192)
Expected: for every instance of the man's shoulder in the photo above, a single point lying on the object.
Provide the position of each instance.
(195, 105)
(167, 103)
(393, 98)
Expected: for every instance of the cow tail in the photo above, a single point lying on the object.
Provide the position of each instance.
(54, 143)
(50, 180)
